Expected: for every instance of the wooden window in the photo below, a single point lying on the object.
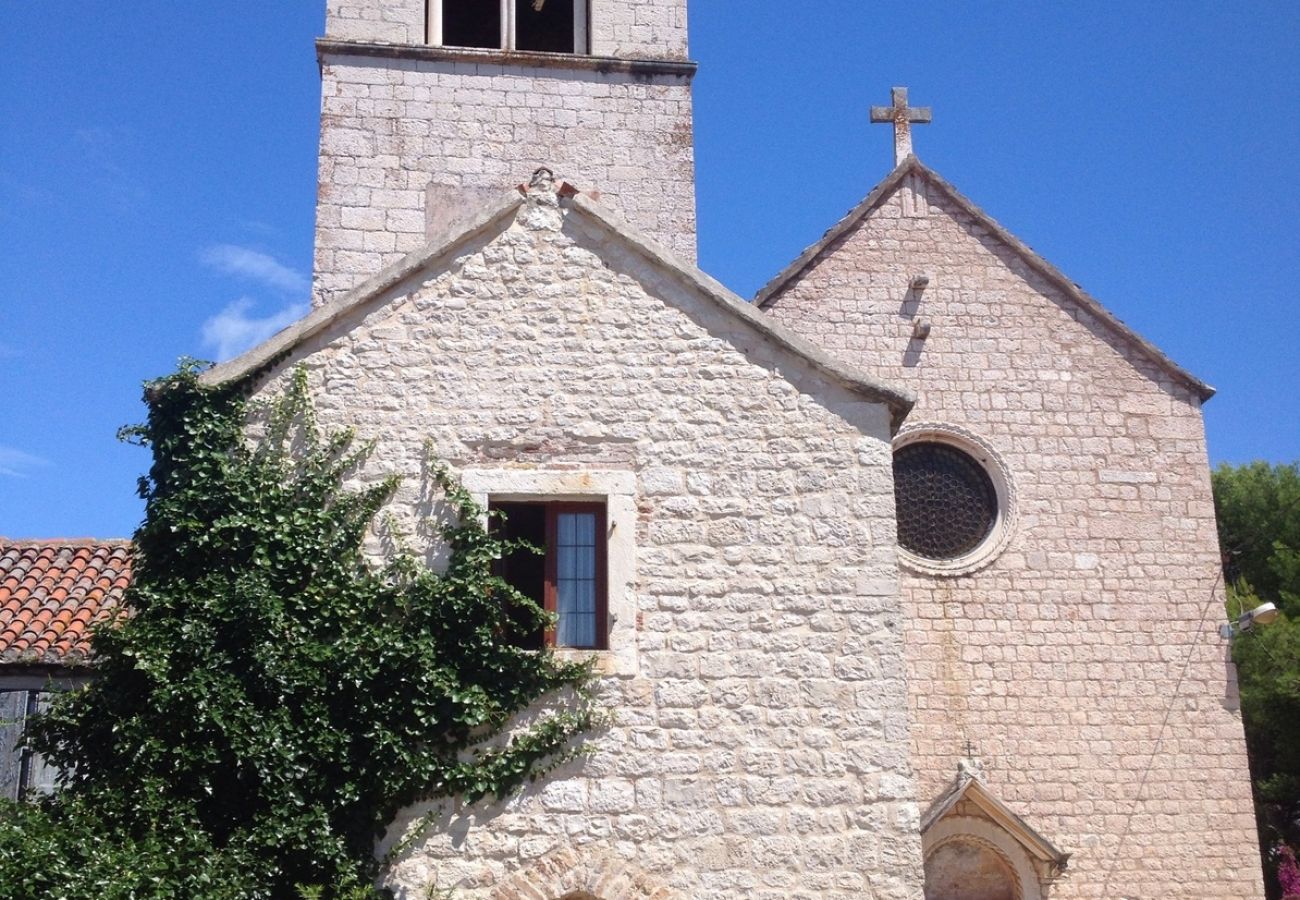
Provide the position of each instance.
(569, 579)
(546, 26)
(22, 771)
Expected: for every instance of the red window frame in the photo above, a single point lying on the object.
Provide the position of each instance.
(553, 511)
(550, 598)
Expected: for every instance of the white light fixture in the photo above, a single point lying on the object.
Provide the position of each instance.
(1260, 615)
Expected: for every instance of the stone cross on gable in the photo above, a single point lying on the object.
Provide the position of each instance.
(903, 117)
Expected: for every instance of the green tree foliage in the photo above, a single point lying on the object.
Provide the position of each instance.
(275, 698)
(1258, 508)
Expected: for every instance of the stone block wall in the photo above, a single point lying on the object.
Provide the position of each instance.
(1084, 663)
(628, 29)
(405, 140)
(759, 749)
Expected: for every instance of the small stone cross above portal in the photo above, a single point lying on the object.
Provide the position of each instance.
(903, 116)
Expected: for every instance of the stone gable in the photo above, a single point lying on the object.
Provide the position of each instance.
(1083, 662)
(760, 741)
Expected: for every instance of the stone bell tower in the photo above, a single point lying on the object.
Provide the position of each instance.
(428, 107)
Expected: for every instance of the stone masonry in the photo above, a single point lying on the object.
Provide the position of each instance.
(1083, 663)
(412, 136)
(760, 745)
(626, 29)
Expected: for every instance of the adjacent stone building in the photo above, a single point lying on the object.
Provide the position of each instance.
(1072, 649)
(902, 581)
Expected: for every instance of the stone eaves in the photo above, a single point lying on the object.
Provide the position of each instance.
(330, 49)
(970, 788)
(279, 346)
(912, 165)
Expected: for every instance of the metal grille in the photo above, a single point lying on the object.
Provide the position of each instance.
(946, 501)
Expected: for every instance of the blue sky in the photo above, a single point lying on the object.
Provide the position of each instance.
(157, 185)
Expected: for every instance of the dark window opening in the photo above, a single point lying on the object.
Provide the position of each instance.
(568, 579)
(524, 569)
(946, 502)
(22, 771)
(545, 25)
(471, 23)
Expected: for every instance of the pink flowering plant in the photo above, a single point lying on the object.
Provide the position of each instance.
(1288, 873)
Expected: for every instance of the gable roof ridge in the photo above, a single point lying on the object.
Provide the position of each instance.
(282, 342)
(970, 787)
(898, 399)
(847, 222)
(269, 352)
(1026, 253)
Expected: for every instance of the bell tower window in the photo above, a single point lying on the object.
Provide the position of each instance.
(470, 23)
(541, 26)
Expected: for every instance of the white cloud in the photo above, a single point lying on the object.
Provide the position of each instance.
(14, 463)
(233, 330)
(244, 262)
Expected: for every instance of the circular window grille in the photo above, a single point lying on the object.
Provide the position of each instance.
(947, 504)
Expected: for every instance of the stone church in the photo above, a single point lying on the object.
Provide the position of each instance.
(902, 579)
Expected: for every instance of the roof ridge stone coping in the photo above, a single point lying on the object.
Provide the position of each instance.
(912, 165)
(271, 351)
(647, 68)
(282, 342)
(972, 787)
(899, 400)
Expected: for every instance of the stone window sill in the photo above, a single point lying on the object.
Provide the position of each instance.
(677, 68)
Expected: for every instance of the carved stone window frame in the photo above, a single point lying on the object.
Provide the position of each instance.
(617, 490)
(983, 452)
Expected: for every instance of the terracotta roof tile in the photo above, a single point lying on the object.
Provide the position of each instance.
(53, 592)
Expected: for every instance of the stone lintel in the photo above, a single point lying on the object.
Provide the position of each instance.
(640, 68)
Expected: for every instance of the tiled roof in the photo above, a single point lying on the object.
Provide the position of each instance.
(51, 592)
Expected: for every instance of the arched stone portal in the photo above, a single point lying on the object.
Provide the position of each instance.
(976, 848)
(995, 844)
(964, 869)
(589, 874)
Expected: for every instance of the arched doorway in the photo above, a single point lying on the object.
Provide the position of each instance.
(967, 869)
(975, 848)
(963, 869)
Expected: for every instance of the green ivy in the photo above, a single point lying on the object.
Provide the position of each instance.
(275, 697)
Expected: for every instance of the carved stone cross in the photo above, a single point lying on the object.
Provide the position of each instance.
(903, 116)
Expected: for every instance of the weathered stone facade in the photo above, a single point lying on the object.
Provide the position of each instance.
(762, 742)
(759, 748)
(626, 29)
(413, 136)
(1083, 662)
